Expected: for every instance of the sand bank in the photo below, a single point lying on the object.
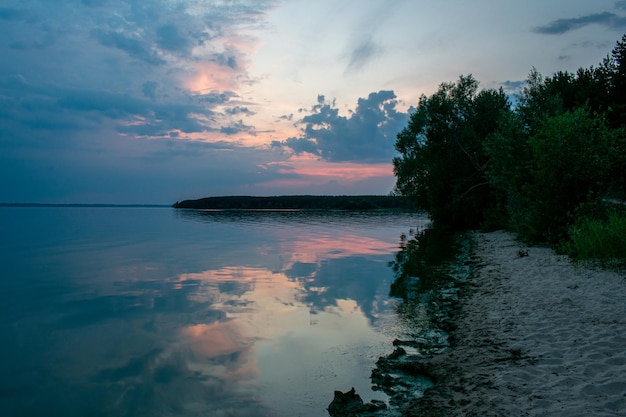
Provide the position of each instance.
(534, 336)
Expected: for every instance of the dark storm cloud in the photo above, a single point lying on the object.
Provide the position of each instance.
(561, 26)
(367, 135)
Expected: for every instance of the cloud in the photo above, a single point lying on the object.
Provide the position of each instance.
(365, 51)
(367, 135)
(132, 100)
(238, 110)
(513, 87)
(8, 13)
(237, 127)
(561, 26)
(94, 3)
(149, 89)
(112, 105)
(215, 97)
(29, 105)
(134, 47)
(129, 62)
(300, 145)
(107, 168)
(171, 39)
(226, 60)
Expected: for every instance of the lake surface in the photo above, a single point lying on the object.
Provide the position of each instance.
(163, 312)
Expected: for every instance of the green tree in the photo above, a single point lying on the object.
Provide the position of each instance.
(613, 70)
(563, 165)
(442, 164)
(507, 171)
(545, 97)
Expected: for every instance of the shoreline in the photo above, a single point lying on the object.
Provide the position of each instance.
(532, 335)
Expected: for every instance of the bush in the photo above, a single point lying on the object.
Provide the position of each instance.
(599, 239)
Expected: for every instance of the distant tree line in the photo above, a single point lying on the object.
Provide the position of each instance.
(299, 202)
(546, 166)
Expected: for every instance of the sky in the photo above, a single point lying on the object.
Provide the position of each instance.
(153, 102)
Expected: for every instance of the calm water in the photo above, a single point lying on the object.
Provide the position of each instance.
(162, 312)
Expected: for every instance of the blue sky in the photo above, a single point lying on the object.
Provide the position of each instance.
(132, 101)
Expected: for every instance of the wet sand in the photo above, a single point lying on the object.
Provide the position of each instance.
(534, 335)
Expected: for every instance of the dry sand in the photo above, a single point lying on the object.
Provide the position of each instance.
(534, 336)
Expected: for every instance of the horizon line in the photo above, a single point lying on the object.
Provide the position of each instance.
(80, 205)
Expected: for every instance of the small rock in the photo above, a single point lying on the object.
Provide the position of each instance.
(345, 404)
(350, 404)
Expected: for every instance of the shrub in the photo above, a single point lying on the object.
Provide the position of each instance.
(599, 239)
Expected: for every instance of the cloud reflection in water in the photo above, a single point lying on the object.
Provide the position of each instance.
(182, 315)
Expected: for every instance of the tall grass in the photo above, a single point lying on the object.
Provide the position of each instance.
(600, 239)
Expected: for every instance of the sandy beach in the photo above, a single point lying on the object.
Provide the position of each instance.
(534, 335)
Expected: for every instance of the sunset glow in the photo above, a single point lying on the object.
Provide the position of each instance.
(259, 97)
(314, 167)
(212, 77)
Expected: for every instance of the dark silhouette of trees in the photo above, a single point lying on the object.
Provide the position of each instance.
(548, 175)
(470, 158)
(297, 202)
(443, 164)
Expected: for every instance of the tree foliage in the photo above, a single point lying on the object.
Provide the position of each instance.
(468, 157)
(562, 165)
(442, 163)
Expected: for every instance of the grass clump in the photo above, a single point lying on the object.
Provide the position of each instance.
(602, 239)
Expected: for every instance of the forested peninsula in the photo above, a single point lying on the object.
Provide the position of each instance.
(299, 202)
